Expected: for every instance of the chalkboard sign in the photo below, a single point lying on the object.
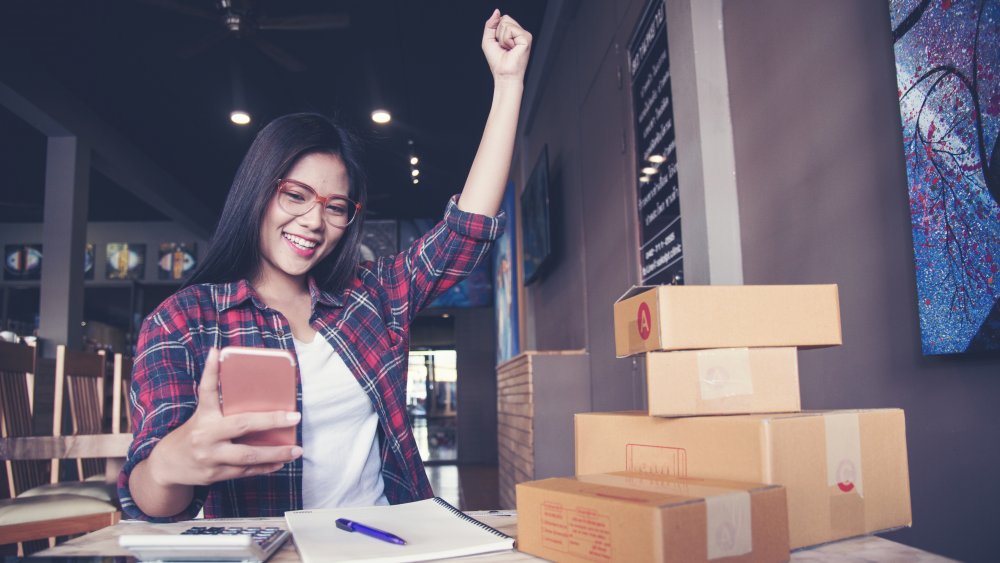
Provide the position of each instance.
(660, 251)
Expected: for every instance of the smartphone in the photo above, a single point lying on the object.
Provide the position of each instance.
(258, 380)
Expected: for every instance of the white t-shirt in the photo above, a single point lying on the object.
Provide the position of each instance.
(340, 461)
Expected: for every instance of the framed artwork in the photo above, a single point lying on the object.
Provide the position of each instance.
(378, 239)
(947, 54)
(505, 284)
(22, 262)
(536, 230)
(88, 261)
(126, 261)
(176, 260)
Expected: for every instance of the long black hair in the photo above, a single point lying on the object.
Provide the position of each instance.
(234, 252)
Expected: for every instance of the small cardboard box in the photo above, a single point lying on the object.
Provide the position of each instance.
(845, 472)
(637, 517)
(692, 317)
(723, 381)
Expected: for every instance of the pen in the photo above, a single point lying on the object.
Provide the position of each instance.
(352, 526)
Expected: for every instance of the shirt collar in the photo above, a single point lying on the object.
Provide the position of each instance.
(232, 294)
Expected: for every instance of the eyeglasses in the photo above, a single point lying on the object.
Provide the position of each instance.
(296, 198)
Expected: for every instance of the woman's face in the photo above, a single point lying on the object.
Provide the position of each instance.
(291, 246)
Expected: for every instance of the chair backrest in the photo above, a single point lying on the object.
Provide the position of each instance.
(18, 365)
(121, 417)
(80, 378)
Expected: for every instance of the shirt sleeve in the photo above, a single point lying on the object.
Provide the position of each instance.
(439, 259)
(163, 395)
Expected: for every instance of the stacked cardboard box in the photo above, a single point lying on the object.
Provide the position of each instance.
(724, 350)
(729, 351)
(643, 517)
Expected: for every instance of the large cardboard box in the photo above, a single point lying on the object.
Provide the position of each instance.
(845, 472)
(636, 517)
(691, 317)
(723, 381)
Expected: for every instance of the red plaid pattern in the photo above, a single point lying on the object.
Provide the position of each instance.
(367, 324)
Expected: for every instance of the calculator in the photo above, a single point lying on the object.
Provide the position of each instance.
(208, 543)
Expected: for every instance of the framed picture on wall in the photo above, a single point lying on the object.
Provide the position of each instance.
(949, 101)
(505, 283)
(88, 261)
(126, 261)
(536, 228)
(22, 262)
(177, 260)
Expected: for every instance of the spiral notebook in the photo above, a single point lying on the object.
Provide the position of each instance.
(432, 528)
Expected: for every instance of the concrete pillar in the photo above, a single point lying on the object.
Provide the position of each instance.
(64, 234)
(710, 215)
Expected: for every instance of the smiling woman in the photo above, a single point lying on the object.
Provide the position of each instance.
(283, 272)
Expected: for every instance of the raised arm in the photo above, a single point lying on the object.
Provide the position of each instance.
(506, 46)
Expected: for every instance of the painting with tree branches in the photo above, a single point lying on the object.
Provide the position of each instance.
(947, 65)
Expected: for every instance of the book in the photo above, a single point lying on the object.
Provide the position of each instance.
(432, 529)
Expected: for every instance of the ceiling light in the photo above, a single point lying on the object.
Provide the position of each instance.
(381, 116)
(416, 180)
(643, 179)
(415, 172)
(649, 170)
(414, 160)
(657, 158)
(239, 117)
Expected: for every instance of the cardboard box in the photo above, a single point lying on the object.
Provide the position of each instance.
(723, 381)
(692, 317)
(637, 517)
(845, 472)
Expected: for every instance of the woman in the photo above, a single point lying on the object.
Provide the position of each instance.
(283, 272)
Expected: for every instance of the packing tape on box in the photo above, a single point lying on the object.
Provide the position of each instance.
(728, 527)
(843, 452)
(724, 372)
(844, 477)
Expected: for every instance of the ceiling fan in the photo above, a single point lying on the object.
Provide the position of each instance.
(245, 20)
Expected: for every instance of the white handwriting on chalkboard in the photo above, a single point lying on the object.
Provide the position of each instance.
(660, 245)
(662, 260)
(647, 40)
(657, 138)
(663, 105)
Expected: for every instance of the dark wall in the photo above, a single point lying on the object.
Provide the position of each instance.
(582, 116)
(475, 345)
(823, 198)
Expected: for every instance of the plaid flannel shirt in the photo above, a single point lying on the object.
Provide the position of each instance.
(367, 324)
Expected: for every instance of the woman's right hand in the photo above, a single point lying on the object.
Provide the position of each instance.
(201, 451)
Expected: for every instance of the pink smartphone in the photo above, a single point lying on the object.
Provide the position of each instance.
(258, 380)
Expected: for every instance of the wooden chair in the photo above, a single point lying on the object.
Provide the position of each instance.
(121, 417)
(36, 510)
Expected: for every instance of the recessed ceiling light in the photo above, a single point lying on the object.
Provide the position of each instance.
(416, 180)
(649, 170)
(415, 172)
(381, 116)
(656, 158)
(240, 117)
(414, 160)
(643, 179)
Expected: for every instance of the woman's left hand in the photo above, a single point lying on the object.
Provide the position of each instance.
(506, 45)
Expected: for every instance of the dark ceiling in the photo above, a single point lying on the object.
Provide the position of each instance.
(162, 73)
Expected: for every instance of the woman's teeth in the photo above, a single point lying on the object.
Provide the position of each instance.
(300, 242)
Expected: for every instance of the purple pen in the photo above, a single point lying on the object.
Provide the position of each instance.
(352, 526)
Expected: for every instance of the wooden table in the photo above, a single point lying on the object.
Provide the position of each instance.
(105, 543)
